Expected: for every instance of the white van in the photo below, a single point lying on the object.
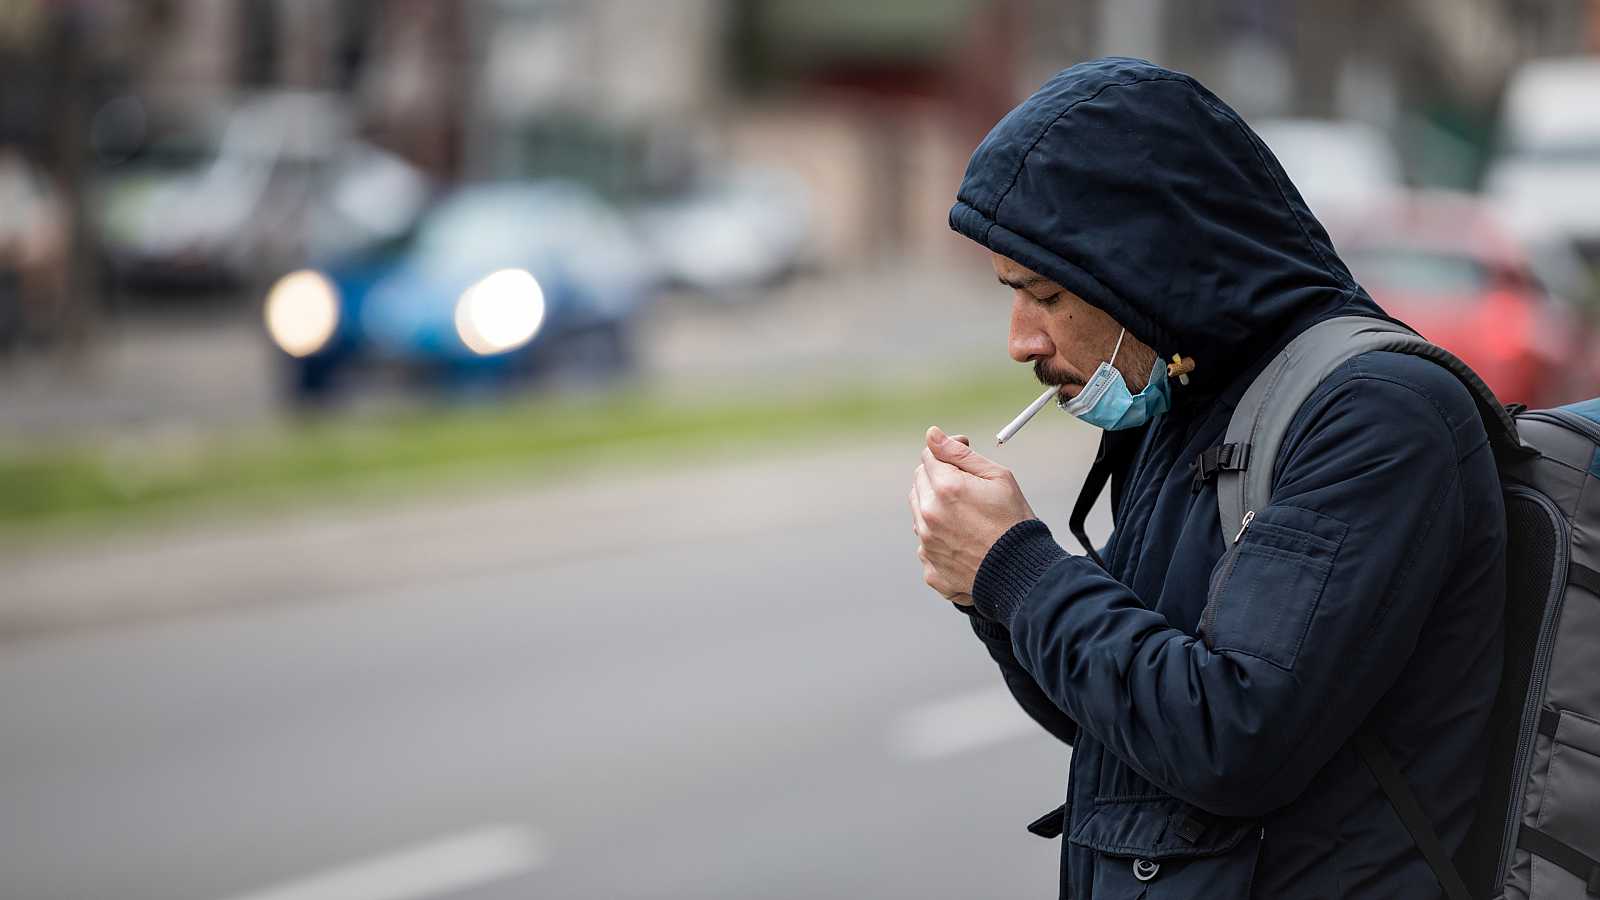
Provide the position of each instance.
(1546, 178)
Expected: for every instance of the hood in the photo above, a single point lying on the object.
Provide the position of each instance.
(1138, 190)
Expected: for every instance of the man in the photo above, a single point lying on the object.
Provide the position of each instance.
(1211, 685)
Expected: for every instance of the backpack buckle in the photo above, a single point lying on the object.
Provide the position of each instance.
(1233, 457)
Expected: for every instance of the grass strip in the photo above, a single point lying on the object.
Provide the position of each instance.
(126, 479)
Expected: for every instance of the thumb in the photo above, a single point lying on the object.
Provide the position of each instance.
(957, 453)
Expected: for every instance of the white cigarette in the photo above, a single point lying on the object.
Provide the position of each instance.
(1022, 418)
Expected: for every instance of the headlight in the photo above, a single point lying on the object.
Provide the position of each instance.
(501, 312)
(302, 312)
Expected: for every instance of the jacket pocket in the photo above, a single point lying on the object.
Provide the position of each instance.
(1265, 590)
(1154, 848)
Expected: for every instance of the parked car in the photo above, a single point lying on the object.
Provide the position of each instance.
(1447, 265)
(243, 194)
(1546, 175)
(497, 282)
(749, 228)
(1340, 166)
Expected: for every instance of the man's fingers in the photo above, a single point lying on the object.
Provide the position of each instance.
(920, 526)
(955, 453)
(926, 495)
(962, 438)
(943, 480)
(945, 475)
(961, 455)
(933, 578)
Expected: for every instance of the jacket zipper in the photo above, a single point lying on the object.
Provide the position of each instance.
(1208, 615)
(1119, 511)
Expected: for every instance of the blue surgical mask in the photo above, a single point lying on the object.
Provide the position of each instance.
(1106, 402)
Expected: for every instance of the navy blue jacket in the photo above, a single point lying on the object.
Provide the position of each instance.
(1211, 689)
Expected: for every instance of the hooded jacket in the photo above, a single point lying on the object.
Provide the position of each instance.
(1211, 686)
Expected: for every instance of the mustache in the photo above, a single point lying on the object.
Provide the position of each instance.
(1048, 376)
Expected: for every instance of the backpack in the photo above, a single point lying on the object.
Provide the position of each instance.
(1536, 835)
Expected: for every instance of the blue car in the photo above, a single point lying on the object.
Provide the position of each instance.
(496, 282)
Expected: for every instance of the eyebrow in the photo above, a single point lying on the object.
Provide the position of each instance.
(1022, 284)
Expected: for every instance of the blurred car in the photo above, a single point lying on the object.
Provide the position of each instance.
(496, 282)
(1446, 265)
(750, 228)
(1340, 166)
(250, 192)
(1546, 176)
(34, 243)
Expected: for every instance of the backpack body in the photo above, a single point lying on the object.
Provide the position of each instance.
(1536, 835)
(1544, 778)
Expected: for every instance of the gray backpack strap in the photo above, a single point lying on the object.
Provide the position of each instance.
(1263, 415)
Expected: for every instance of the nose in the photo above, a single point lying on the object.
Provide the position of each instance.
(1028, 340)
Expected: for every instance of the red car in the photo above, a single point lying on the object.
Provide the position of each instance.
(1444, 265)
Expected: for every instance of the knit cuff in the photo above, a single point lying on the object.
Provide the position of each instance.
(1012, 567)
(982, 627)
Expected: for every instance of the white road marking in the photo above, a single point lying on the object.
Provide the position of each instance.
(960, 724)
(449, 864)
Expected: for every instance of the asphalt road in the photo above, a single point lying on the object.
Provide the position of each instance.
(728, 682)
(188, 369)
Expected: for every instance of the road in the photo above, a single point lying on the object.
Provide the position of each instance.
(170, 372)
(727, 682)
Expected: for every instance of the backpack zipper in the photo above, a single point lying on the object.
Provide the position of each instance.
(1566, 420)
(1544, 649)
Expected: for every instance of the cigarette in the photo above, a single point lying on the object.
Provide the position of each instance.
(1008, 432)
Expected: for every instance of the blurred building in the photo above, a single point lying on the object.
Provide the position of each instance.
(877, 105)
(874, 104)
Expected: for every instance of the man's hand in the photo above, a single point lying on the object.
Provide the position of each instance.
(961, 503)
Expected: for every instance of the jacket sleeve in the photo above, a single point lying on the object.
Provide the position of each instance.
(1309, 617)
(1027, 692)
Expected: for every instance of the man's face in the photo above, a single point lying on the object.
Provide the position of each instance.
(1064, 337)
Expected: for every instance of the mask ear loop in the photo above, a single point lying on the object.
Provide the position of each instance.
(1120, 335)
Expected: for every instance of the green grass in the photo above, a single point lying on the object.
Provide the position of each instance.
(133, 479)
